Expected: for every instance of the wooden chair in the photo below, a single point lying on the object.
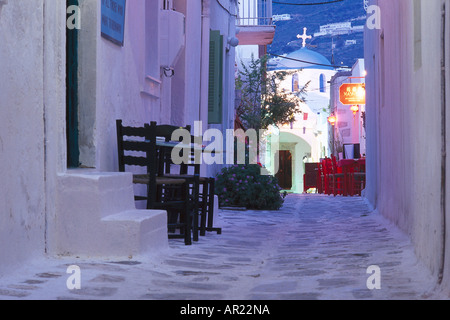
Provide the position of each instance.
(206, 199)
(165, 169)
(206, 190)
(204, 187)
(137, 148)
(208, 209)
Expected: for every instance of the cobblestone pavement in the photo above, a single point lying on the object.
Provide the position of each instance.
(316, 247)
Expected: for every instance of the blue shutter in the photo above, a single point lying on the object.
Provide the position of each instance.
(322, 83)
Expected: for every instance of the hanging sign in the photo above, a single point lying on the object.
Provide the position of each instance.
(113, 20)
(352, 94)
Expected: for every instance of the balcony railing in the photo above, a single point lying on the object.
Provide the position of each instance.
(255, 13)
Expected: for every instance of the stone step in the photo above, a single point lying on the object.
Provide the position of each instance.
(97, 216)
(135, 232)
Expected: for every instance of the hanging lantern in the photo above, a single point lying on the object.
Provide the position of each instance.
(332, 119)
(354, 109)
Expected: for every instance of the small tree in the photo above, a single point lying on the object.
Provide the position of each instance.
(263, 102)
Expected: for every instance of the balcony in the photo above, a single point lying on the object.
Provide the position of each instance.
(255, 22)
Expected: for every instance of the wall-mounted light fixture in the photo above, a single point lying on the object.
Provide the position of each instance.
(354, 109)
(232, 42)
(168, 72)
(332, 119)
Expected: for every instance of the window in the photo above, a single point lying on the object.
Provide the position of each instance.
(215, 78)
(322, 80)
(295, 85)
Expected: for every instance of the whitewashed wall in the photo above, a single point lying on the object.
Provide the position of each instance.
(222, 18)
(404, 141)
(32, 144)
(39, 195)
(114, 83)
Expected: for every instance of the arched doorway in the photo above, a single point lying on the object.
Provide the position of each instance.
(284, 174)
(289, 155)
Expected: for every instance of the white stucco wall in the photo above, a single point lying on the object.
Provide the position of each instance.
(38, 195)
(113, 84)
(404, 123)
(187, 80)
(222, 18)
(138, 97)
(22, 203)
(32, 139)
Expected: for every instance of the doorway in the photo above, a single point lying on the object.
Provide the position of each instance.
(284, 174)
(73, 150)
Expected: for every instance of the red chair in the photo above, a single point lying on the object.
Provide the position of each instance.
(357, 177)
(338, 178)
(319, 182)
(310, 177)
(327, 171)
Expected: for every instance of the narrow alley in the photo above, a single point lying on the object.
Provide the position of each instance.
(316, 248)
(120, 119)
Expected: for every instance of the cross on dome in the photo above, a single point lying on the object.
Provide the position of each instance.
(304, 37)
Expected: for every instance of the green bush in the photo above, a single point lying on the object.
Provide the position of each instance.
(244, 186)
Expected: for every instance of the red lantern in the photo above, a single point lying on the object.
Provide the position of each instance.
(354, 109)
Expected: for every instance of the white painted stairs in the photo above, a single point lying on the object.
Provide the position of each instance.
(97, 217)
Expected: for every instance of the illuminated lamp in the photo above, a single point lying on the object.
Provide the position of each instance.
(354, 109)
(332, 119)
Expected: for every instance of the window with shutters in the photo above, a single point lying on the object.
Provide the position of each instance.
(215, 78)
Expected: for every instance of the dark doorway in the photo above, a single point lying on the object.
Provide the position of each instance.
(284, 174)
(73, 150)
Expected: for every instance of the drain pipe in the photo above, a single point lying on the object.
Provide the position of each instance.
(443, 144)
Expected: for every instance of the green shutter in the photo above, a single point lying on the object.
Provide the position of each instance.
(215, 78)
